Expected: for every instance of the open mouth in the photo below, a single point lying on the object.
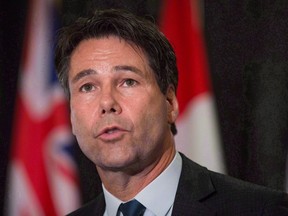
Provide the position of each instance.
(111, 134)
(110, 131)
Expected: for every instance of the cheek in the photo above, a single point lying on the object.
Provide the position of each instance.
(149, 117)
(74, 122)
(80, 120)
(73, 117)
(82, 132)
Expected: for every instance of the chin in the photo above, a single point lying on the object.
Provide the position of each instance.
(117, 163)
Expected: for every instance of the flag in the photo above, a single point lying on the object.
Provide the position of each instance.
(198, 136)
(42, 173)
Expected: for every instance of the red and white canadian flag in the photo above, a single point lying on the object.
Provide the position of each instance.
(42, 173)
(198, 135)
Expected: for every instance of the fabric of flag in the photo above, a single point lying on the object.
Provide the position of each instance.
(198, 136)
(42, 173)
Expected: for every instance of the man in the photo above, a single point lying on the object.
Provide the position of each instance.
(120, 75)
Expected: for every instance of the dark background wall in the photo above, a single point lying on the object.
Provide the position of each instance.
(247, 48)
(247, 43)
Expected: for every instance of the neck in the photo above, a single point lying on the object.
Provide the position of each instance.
(125, 185)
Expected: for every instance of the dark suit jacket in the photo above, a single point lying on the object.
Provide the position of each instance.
(204, 193)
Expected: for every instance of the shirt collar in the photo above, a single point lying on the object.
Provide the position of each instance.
(112, 202)
(159, 189)
(163, 189)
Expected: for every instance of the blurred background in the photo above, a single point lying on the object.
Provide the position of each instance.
(233, 98)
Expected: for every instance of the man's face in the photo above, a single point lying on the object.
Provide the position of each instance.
(118, 113)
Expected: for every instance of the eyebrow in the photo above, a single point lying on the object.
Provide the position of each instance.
(88, 72)
(128, 68)
(82, 74)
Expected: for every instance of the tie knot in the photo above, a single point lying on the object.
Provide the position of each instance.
(132, 208)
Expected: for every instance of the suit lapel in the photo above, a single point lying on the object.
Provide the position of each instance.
(99, 205)
(194, 186)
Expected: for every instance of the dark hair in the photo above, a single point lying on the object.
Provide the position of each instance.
(127, 26)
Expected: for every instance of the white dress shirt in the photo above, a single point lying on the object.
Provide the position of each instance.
(158, 197)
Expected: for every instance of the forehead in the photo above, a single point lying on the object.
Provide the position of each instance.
(107, 48)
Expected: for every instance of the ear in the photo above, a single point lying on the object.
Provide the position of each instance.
(172, 105)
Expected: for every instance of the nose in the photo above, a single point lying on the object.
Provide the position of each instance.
(109, 103)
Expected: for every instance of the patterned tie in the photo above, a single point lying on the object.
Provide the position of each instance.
(132, 208)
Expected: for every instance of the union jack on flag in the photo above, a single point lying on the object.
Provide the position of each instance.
(42, 173)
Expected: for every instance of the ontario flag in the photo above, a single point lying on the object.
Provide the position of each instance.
(198, 135)
(42, 173)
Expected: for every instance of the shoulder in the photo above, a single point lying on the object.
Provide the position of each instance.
(241, 189)
(240, 195)
(95, 207)
(228, 194)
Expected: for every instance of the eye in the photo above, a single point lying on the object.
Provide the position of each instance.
(129, 82)
(87, 87)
